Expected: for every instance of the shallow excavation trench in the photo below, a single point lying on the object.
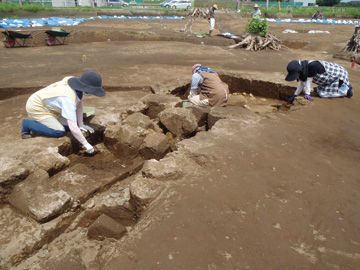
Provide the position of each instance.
(104, 195)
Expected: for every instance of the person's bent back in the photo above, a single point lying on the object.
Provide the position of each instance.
(207, 89)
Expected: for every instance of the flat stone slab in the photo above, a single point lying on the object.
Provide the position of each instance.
(21, 236)
(70, 260)
(81, 181)
(36, 198)
(12, 171)
(145, 190)
(231, 112)
(106, 227)
(159, 102)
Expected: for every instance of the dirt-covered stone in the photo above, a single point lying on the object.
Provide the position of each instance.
(145, 190)
(156, 145)
(70, 260)
(105, 227)
(179, 121)
(201, 114)
(21, 236)
(81, 181)
(159, 102)
(230, 112)
(237, 100)
(47, 159)
(12, 172)
(172, 167)
(139, 120)
(124, 141)
(36, 198)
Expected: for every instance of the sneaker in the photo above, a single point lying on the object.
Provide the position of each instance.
(350, 92)
(308, 97)
(25, 135)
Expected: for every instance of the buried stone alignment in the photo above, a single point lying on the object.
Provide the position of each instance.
(89, 199)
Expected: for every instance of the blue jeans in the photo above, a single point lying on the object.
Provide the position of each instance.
(36, 127)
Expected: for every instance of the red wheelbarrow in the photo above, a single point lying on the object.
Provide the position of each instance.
(58, 36)
(17, 38)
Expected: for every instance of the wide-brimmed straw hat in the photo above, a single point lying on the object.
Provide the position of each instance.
(215, 6)
(256, 5)
(90, 82)
(293, 69)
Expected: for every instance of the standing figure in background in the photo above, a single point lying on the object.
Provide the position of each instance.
(212, 18)
(255, 13)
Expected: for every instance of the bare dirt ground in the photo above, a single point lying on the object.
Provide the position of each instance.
(277, 191)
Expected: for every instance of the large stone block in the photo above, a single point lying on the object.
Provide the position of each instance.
(123, 212)
(139, 120)
(165, 169)
(156, 145)
(115, 203)
(118, 206)
(159, 102)
(47, 159)
(145, 190)
(231, 112)
(201, 114)
(179, 121)
(237, 100)
(81, 182)
(124, 140)
(105, 227)
(22, 236)
(36, 198)
(70, 260)
(12, 171)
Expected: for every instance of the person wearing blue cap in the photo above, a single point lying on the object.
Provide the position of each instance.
(332, 79)
(59, 107)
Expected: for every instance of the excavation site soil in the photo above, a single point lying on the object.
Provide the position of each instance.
(254, 185)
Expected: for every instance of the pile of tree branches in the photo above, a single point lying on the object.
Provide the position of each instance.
(200, 12)
(254, 42)
(318, 15)
(353, 44)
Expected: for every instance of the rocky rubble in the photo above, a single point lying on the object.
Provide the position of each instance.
(50, 195)
(140, 148)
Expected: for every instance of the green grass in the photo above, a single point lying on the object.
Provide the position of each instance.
(327, 11)
(9, 7)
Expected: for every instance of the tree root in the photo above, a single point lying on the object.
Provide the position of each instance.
(257, 43)
(353, 45)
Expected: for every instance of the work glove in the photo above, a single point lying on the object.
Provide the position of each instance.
(86, 128)
(88, 148)
(308, 97)
(291, 100)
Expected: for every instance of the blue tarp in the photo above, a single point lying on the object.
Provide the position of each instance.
(55, 21)
(329, 21)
